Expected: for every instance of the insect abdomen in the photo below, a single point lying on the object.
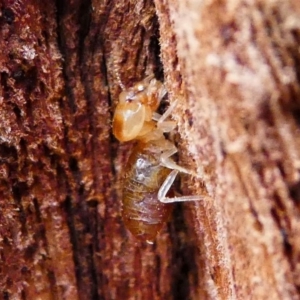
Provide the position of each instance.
(143, 214)
(145, 218)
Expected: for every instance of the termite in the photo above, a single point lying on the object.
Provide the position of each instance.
(150, 171)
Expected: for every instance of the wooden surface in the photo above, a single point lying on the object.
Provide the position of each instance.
(233, 66)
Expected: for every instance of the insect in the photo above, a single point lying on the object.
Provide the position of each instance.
(150, 171)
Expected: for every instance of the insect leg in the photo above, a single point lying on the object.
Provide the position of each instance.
(158, 87)
(155, 87)
(163, 91)
(167, 113)
(161, 195)
(162, 124)
(166, 126)
(169, 163)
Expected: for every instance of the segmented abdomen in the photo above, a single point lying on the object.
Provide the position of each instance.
(143, 214)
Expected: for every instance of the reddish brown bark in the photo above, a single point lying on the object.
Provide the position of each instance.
(234, 68)
(241, 73)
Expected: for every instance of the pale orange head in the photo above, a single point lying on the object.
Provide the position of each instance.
(135, 108)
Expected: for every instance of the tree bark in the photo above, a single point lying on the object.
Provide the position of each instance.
(233, 67)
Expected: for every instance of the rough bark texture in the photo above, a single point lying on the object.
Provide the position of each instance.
(234, 68)
(240, 64)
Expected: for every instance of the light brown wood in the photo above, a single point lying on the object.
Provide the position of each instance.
(238, 62)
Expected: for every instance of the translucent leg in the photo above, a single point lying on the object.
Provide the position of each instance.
(166, 187)
(156, 116)
(162, 124)
(155, 86)
(147, 79)
(169, 163)
(167, 113)
(162, 93)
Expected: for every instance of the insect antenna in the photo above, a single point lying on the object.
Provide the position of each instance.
(116, 64)
(122, 86)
